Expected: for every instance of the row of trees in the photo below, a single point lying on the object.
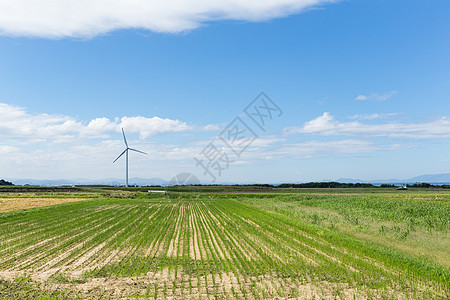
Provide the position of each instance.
(4, 182)
(321, 185)
(333, 184)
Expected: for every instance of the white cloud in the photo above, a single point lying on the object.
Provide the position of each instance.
(320, 124)
(212, 127)
(94, 160)
(85, 149)
(147, 127)
(375, 96)
(328, 126)
(88, 18)
(361, 98)
(7, 149)
(16, 123)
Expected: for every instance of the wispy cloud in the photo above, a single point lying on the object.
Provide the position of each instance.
(375, 96)
(18, 123)
(375, 116)
(326, 125)
(74, 18)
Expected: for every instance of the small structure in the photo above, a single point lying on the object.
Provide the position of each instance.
(157, 191)
(402, 188)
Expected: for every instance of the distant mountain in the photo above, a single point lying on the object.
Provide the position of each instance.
(429, 178)
(349, 180)
(147, 181)
(443, 178)
(84, 181)
(44, 182)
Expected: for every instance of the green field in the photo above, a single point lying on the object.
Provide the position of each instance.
(128, 244)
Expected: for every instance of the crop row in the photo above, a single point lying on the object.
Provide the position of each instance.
(203, 247)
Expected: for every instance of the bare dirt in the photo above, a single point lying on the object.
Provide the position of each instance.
(11, 204)
(164, 285)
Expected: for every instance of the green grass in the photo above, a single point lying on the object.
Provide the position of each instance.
(223, 245)
(415, 224)
(24, 288)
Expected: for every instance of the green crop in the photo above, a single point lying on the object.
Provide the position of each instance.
(219, 246)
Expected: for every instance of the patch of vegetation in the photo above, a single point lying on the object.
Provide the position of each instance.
(325, 185)
(4, 182)
(415, 224)
(228, 245)
(26, 288)
(60, 277)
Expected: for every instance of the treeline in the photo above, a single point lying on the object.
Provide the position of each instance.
(4, 182)
(333, 184)
(428, 185)
(322, 185)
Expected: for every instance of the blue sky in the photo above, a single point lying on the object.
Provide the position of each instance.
(364, 87)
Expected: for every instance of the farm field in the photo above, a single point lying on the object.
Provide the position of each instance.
(11, 204)
(120, 244)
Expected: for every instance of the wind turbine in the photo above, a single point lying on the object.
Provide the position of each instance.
(126, 151)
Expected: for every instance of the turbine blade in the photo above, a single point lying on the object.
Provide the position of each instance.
(124, 138)
(137, 151)
(120, 155)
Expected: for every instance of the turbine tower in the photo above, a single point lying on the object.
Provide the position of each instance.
(126, 152)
